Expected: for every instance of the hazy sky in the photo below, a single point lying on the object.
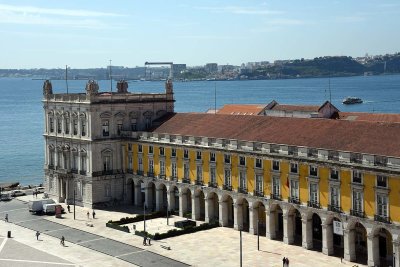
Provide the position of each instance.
(83, 34)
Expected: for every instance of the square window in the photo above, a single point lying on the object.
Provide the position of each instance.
(173, 152)
(313, 171)
(275, 165)
(242, 161)
(198, 154)
(162, 151)
(357, 177)
(381, 181)
(227, 159)
(140, 148)
(186, 154)
(212, 156)
(150, 149)
(258, 163)
(293, 167)
(334, 174)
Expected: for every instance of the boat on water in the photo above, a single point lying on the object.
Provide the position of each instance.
(352, 100)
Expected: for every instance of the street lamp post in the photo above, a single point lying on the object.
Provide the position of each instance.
(167, 212)
(240, 231)
(144, 216)
(258, 235)
(74, 202)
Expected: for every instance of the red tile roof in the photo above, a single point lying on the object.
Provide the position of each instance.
(363, 116)
(379, 138)
(296, 108)
(240, 109)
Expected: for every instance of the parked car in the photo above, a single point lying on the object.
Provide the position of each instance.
(5, 196)
(40, 189)
(17, 193)
(36, 206)
(51, 208)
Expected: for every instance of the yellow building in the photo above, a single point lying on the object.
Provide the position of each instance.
(322, 184)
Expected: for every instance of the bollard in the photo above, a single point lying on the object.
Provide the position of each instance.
(9, 234)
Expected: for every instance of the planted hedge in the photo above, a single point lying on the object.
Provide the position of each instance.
(177, 232)
(118, 227)
(139, 218)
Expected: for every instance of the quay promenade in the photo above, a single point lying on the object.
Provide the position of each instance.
(216, 247)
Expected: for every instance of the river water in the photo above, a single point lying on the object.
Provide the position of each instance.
(21, 120)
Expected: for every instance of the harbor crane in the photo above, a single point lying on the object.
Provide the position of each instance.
(171, 65)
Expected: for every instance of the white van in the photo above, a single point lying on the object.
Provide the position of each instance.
(37, 205)
(51, 208)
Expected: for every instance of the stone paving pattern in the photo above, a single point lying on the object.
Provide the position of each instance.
(215, 247)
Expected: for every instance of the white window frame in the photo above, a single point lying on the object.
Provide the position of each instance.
(213, 175)
(259, 162)
(353, 175)
(276, 163)
(294, 189)
(140, 164)
(311, 168)
(174, 172)
(162, 167)
(359, 194)
(186, 170)
(242, 159)
(243, 179)
(294, 164)
(151, 165)
(276, 185)
(314, 194)
(212, 157)
(259, 183)
(199, 173)
(382, 208)
(227, 177)
(334, 196)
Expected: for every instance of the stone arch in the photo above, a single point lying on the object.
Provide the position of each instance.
(295, 226)
(259, 223)
(161, 197)
(316, 231)
(211, 207)
(130, 191)
(226, 217)
(335, 241)
(242, 214)
(185, 202)
(198, 204)
(276, 221)
(105, 115)
(150, 196)
(173, 199)
(357, 241)
(382, 245)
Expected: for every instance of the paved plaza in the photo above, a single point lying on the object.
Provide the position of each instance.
(102, 246)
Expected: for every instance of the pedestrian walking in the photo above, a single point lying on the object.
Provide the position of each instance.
(149, 241)
(37, 235)
(68, 208)
(283, 261)
(88, 214)
(287, 262)
(93, 214)
(144, 241)
(62, 241)
(6, 218)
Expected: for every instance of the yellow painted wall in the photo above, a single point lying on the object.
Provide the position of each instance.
(206, 166)
(394, 203)
(324, 174)
(220, 168)
(192, 165)
(156, 158)
(135, 164)
(284, 169)
(179, 163)
(345, 190)
(369, 181)
(303, 184)
(234, 171)
(168, 169)
(250, 174)
(145, 158)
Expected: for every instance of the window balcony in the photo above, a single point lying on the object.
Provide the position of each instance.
(74, 171)
(335, 208)
(242, 190)
(258, 193)
(150, 174)
(294, 200)
(162, 176)
(313, 204)
(276, 196)
(129, 171)
(174, 178)
(186, 180)
(140, 172)
(199, 182)
(357, 213)
(227, 187)
(212, 184)
(82, 172)
(51, 167)
(381, 218)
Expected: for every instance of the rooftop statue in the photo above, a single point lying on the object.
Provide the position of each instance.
(169, 86)
(122, 86)
(47, 88)
(92, 88)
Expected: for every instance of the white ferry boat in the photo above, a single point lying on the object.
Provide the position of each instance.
(352, 100)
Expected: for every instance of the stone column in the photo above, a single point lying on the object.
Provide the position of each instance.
(148, 197)
(208, 209)
(349, 245)
(159, 199)
(182, 204)
(170, 200)
(270, 223)
(138, 195)
(396, 253)
(373, 250)
(327, 239)
(237, 216)
(288, 235)
(307, 232)
(223, 213)
(253, 220)
(195, 207)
